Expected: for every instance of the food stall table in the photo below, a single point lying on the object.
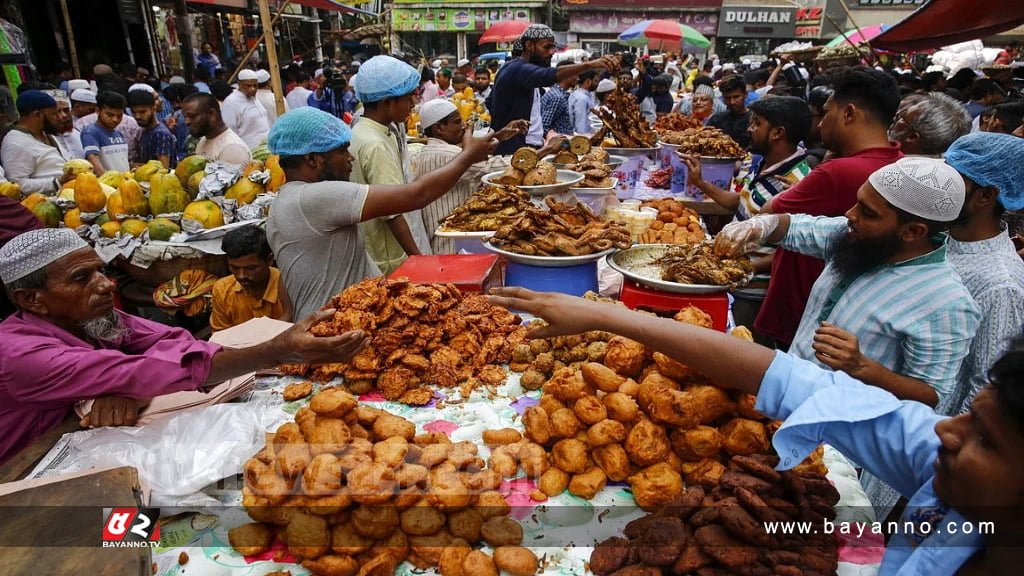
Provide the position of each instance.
(635, 296)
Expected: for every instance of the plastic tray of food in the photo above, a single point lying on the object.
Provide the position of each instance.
(614, 161)
(565, 179)
(548, 261)
(637, 264)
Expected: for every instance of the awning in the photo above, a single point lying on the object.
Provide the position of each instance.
(944, 22)
(330, 5)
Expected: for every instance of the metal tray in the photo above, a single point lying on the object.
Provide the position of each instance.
(636, 263)
(614, 161)
(548, 261)
(565, 179)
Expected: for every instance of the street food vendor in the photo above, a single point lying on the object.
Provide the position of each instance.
(67, 343)
(963, 475)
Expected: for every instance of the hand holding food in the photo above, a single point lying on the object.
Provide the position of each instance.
(739, 238)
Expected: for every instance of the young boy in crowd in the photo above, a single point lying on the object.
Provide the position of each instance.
(157, 142)
(104, 145)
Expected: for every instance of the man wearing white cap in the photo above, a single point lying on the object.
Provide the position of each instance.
(67, 343)
(888, 300)
(83, 103)
(265, 95)
(69, 136)
(243, 113)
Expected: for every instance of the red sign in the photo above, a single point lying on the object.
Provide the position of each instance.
(642, 4)
(614, 22)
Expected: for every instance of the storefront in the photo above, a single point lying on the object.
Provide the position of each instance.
(594, 25)
(745, 30)
(446, 28)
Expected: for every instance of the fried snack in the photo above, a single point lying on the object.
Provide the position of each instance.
(296, 391)
(606, 432)
(697, 443)
(501, 437)
(371, 483)
(579, 145)
(564, 423)
(647, 443)
(376, 522)
(674, 121)
(662, 542)
(512, 176)
(421, 520)
(516, 560)
(726, 549)
(537, 424)
(308, 536)
(533, 459)
(706, 472)
(570, 455)
(333, 402)
(502, 462)
(251, 539)
(589, 483)
(698, 264)
(524, 159)
(329, 435)
(706, 141)
(387, 426)
(452, 557)
(609, 556)
(561, 230)
(492, 504)
(532, 380)
(554, 481)
(502, 531)
(332, 565)
(624, 356)
(656, 485)
(674, 408)
(426, 550)
(323, 476)
(743, 436)
(345, 540)
(712, 400)
(542, 174)
(466, 524)
(476, 563)
(566, 157)
(612, 458)
(590, 410)
(620, 407)
(624, 122)
(600, 376)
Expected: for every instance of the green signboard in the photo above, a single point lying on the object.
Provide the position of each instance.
(453, 19)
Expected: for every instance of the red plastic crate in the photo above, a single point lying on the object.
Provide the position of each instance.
(636, 296)
(469, 272)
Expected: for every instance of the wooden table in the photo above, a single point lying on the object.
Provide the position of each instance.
(23, 462)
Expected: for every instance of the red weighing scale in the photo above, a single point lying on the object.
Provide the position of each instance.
(468, 272)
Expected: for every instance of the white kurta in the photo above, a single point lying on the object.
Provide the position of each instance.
(246, 117)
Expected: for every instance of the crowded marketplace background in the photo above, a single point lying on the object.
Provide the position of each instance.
(613, 304)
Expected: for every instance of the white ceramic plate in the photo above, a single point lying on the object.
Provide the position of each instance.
(637, 264)
(548, 261)
(564, 180)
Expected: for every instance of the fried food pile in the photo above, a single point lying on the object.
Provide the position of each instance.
(527, 169)
(562, 230)
(421, 335)
(721, 530)
(698, 264)
(489, 208)
(704, 141)
(660, 179)
(624, 122)
(579, 148)
(675, 122)
(352, 489)
(676, 224)
(594, 167)
(613, 410)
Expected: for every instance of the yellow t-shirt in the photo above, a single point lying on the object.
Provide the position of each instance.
(232, 305)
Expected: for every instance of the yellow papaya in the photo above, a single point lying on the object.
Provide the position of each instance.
(244, 191)
(73, 218)
(77, 166)
(68, 192)
(252, 166)
(146, 171)
(277, 177)
(166, 196)
(48, 213)
(111, 178)
(88, 194)
(132, 200)
(206, 212)
(162, 229)
(102, 219)
(110, 229)
(133, 226)
(193, 184)
(11, 190)
(32, 199)
(189, 166)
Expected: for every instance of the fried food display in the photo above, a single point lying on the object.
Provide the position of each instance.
(489, 208)
(676, 224)
(421, 336)
(704, 141)
(698, 264)
(409, 498)
(721, 531)
(562, 230)
(596, 174)
(527, 169)
(624, 123)
(675, 122)
(297, 391)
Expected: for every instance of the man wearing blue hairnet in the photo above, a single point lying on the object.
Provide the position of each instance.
(313, 226)
(980, 249)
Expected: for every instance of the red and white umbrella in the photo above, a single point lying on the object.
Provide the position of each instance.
(505, 31)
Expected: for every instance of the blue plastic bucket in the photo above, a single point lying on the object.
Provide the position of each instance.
(573, 280)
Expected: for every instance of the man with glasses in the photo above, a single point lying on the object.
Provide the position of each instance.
(927, 124)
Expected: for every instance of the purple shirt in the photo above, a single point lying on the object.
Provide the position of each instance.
(45, 370)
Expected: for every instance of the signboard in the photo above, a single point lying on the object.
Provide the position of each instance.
(815, 18)
(614, 22)
(453, 19)
(757, 22)
(641, 4)
(897, 3)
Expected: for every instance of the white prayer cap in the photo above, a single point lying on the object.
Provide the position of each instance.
(143, 87)
(436, 64)
(319, 72)
(433, 111)
(705, 89)
(463, 62)
(728, 66)
(247, 75)
(715, 69)
(83, 95)
(262, 76)
(746, 61)
(77, 84)
(176, 80)
(925, 187)
(606, 85)
(59, 96)
(36, 249)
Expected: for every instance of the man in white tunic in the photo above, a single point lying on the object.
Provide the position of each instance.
(243, 113)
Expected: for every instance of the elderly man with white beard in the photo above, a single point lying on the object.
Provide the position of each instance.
(67, 343)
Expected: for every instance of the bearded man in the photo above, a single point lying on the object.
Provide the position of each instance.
(67, 343)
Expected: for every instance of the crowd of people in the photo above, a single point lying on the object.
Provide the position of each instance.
(896, 292)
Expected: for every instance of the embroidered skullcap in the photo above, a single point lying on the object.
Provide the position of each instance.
(536, 32)
(262, 76)
(143, 87)
(36, 249)
(517, 45)
(77, 84)
(987, 159)
(606, 85)
(32, 100)
(385, 77)
(59, 96)
(925, 187)
(83, 95)
(246, 75)
(705, 90)
(433, 111)
(307, 130)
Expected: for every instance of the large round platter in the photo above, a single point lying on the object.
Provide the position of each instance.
(637, 264)
(631, 152)
(613, 162)
(565, 179)
(460, 234)
(548, 261)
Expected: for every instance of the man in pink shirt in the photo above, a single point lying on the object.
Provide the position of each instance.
(67, 343)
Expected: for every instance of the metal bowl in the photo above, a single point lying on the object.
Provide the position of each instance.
(637, 264)
(565, 179)
(631, 152)
(548, 261)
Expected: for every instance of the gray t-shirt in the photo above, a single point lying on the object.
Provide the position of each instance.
(312, 231)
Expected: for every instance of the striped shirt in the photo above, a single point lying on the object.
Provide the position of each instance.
(919, 333)
(435, 154)
(756, 186)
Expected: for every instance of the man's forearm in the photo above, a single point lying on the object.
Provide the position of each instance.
(724, 198)
(902, 387)
(400, 228)
(233, 362)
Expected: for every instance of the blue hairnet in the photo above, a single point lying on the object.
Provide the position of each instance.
(306, 130)
(383, 77)
(992, 160)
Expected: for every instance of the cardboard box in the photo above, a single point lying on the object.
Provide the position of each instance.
(469, 272)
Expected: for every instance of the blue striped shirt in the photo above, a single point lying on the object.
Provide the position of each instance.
(915, 317)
